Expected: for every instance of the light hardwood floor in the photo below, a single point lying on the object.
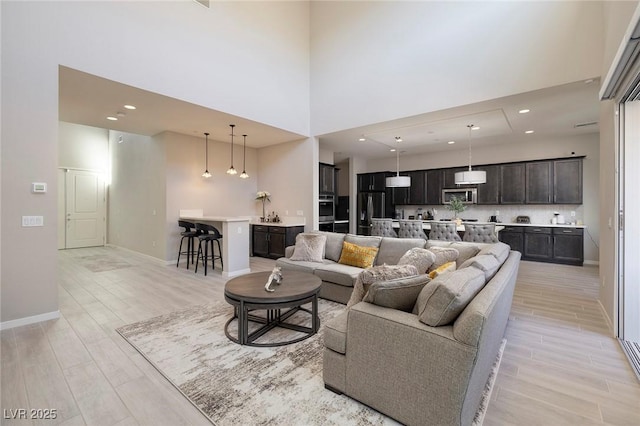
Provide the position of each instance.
(560, 365)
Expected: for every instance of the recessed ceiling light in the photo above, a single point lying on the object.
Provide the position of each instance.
(524, 111)
(362, 139)
(112, 118)
(529, 132)
(475, 128)
(129, 107)
(392, 150)
(451, 142)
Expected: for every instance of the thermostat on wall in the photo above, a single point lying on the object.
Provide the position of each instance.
(38, 187)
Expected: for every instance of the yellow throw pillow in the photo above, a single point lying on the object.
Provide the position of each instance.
(449, 266)
(355, 255)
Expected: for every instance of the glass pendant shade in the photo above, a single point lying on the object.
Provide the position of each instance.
(244, 174)
(232, 170)
(398, 181)
(470, 177)
(206, 173)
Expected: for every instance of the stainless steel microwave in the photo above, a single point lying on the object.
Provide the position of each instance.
(466, 195)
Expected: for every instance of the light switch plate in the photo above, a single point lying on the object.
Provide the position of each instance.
(29, 221)
(39, 187)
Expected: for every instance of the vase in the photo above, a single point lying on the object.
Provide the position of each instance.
(458, 221)
(264, 216)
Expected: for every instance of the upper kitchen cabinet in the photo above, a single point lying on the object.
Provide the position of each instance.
(415, 194)
(327, 179)
(450, 177)
(433, 186)
(489, 192)
(539, 178)
(567, 181)
(512, 183)
(372, 181)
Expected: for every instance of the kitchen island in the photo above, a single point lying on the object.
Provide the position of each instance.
(235, 241)
(426, 225)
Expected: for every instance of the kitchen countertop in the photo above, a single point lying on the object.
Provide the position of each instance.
(280, 224)
(217, 218)
(546, 225)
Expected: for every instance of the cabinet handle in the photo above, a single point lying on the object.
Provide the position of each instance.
(567, 232)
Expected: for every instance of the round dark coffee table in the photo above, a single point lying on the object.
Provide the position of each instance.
(246, 293)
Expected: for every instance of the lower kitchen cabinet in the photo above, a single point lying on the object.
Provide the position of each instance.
(270, 241)
(546, 244)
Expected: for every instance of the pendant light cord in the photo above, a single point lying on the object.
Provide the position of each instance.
(232, 126)
(470, 126)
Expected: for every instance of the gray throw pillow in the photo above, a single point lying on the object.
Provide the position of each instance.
(378, 273)
(465, 251)
(400, 294)
(309, 247)
(487, 263)
(443, 255)
(421, 258)
(498, 250)
(443, 299)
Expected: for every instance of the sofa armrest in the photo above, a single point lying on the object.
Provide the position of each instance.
(288, 251)
(404, 368)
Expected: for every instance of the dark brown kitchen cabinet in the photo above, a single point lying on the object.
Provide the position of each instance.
(538, 244)
(567, 181)
(434, 187)
(489, 192)
(372, 181)
(512, 183)
(415, 194)
(450, 177)
(539, 178)
(568, 246)
(327, 179)
(270, 241)
(514, 236)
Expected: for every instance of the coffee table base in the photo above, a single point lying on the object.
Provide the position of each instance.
(274, 318)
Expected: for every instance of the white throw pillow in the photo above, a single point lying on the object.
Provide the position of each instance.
(309, 247)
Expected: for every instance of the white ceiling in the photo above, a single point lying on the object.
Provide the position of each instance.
(554, 112)
(88, 99)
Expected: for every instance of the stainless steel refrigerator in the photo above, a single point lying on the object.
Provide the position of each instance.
(370, 205)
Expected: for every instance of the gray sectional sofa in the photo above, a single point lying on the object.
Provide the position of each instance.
(394, 362)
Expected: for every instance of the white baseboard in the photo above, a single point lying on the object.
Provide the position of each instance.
(592, 262)
(29, 320)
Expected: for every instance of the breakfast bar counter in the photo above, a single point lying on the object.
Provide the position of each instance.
(235, 241)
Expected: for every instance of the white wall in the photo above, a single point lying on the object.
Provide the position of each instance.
(325, 156)
(588, 145)
(371, 61)
(137, 193)
(83, 147)
(219, 195)
(289, 171)
(178, 49)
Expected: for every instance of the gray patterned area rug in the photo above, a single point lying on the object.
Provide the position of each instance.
(243, 385)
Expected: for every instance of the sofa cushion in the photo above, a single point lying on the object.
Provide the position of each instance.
(447, 267)
(300, 265)
(487, 263)
(363, 240)
(400, 293)
(333, 247)
(465, 251)
(421, 258)
(443, 255)
(355, 255)
(335, 333)
(392, 249)
(443, 299)
(337, 273)
(438, 243)
(498, 250)
(309, 247)
(378, 273)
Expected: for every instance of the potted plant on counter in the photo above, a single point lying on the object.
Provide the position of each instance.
(457, 207)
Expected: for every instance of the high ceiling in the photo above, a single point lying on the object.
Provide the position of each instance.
(566, 110)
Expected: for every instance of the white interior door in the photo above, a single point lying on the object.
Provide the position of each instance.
(85, 209)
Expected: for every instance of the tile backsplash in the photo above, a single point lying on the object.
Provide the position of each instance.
(539, 214)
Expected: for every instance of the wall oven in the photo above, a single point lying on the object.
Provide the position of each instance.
(326, 211)
(466, 195)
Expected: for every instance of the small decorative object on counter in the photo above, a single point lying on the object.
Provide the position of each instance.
(276, 275)
(264, 197)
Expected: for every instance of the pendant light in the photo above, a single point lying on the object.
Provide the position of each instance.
(398, 181)
(470, 177)
(206, 173)
(232, 170)
(244, 174)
